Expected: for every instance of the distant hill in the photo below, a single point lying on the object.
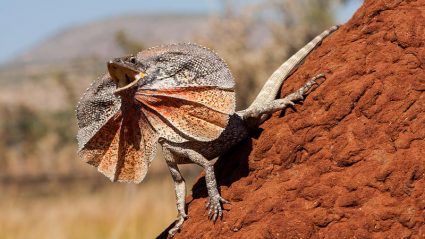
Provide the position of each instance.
(98, 39)
(80, 53)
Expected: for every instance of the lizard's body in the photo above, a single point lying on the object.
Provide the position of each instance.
(182, 97)
(235, 132)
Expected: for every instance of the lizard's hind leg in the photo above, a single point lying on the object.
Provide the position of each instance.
(255, 114)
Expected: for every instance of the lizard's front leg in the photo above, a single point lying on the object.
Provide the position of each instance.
(180, 188)
(257, 114)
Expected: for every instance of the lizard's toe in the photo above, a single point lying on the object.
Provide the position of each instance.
(215, 209)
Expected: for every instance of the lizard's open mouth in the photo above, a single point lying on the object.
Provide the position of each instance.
(124, 76)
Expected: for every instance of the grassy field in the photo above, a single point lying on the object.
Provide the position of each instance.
(87, 209)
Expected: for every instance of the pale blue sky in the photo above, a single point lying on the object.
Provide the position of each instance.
(25, 23)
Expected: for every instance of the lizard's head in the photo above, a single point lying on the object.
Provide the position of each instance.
(170, 66)
(126, 72)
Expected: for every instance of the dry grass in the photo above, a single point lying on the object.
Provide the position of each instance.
(80, 210)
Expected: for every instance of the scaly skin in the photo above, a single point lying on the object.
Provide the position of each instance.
(182, 97)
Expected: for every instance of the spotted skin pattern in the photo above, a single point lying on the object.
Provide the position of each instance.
(184, 100)
(191, 110)
(96, 107)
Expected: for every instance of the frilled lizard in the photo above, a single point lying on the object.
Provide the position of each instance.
(182, 97)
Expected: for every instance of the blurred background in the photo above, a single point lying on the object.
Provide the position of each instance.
(50, 51)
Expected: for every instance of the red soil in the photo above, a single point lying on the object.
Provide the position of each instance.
(349, 162)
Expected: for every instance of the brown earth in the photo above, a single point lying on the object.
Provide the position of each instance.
(349, 161)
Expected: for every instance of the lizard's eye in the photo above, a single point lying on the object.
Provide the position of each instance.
(133, 60)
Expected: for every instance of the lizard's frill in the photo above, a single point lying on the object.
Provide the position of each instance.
(123, 148)
(114, 136)
(95, 108)
(187, 113)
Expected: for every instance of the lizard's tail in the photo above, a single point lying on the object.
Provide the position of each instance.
(272, 86)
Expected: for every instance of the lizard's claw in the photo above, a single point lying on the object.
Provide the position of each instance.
(214, 207)
(179, 221)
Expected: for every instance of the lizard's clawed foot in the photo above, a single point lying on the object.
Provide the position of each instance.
(303, 90)
(215, 209)
(300, 93)
(179, 222)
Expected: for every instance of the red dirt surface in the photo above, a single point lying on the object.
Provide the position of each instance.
(349, 162)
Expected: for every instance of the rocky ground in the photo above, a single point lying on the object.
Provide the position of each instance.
(348, 162)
